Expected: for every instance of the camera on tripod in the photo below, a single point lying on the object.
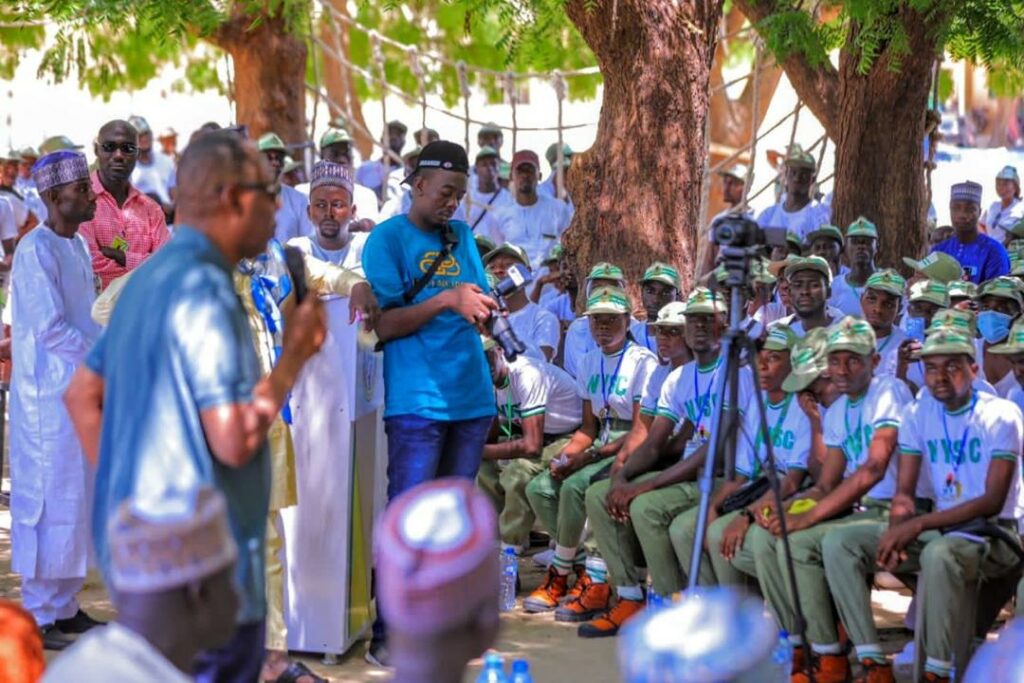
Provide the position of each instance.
(740, 240)
(498, 325)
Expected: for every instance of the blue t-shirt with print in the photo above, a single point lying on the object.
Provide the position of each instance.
(178, 343)
(982, 259)
(439, 371)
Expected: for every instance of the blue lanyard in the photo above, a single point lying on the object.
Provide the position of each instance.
(647, 338)
(773, 433)
(958, 455)
(860, 426)
(705, 400)
(606, 389)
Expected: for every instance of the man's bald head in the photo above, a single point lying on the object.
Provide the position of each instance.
(116, 126)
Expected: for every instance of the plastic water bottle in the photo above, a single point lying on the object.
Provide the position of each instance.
(509, 572)
(521, 671)
(494, 669)
(654, 600)
(782, 659)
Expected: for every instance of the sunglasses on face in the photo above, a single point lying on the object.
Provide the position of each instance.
(129, 148)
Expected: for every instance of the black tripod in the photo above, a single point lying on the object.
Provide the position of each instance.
(721, 448)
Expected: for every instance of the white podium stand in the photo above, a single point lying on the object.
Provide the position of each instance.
(340, 466)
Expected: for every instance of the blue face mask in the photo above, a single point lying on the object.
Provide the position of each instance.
(994, 326)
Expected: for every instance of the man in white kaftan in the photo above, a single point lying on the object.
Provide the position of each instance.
(52, 292)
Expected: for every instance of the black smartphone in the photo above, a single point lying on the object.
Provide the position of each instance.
(296, 263)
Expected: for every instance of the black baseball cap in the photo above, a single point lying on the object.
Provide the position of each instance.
(444, 155)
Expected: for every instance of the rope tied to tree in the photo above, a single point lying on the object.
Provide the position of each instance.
(417, 70)
(754, 123)
(509, 86)
(464, 91)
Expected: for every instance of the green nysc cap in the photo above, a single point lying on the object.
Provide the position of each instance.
(555, 253)
(815, 263)
(829, 231)
(931, 291)
(508, 249)
(663, 273)
(703, 300)
(780, 338)
(861, 227)
(947, 342)
(335, 136)
(887, 280)
(552, 155)
(1016, 264)
(57, 143)
(672, 314)
(955, 319)
(610, 300)
(851, 334)
(1003, 287)
(484, 244)
(606, 271)
(270, 142)
(937, 266)
(797, 157)
(504, 170)
(760, 272)
(962, 289)
(808, 359)
(485, 153)
(1017, 229)
(1014, 344)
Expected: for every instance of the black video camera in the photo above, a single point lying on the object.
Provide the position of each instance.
(498, 324)
(735, 230)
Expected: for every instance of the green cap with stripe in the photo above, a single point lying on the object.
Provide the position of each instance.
(555, 253)
(964, 322)
(508, 249)
(1003, 287)
(484, 244)
(861, 227)
(932, 291)
(816, 263)
(888, 281)
(947, 342)
(1017, 229)
(937, 266)
(610, 300)
(851, 334)
(808, 359)
(703, 300)
(962, 289)
(780, 338)
(606, 271)
(672, 314)
(829, 231)
(797, 157)
(663, 273)
(334, 136)
(1014, 344)
(271, 142)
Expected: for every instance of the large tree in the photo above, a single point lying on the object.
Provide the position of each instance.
(873, 102)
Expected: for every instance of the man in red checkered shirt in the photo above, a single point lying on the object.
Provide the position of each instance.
(128, 226)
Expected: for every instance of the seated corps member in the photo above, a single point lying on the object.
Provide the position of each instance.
(809, 281)
(538, 410)
(632, 512)
(578, 340)
(963, 446)
(999, 304)
(659, 286)
(861, 430)
(610, 381)
(860, 249)
(881, 302)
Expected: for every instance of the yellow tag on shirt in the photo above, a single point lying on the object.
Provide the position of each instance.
(798, 507)
(120, 243)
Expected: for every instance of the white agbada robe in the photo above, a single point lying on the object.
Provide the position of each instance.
(349, 258)
(113, 653)
(52, 292)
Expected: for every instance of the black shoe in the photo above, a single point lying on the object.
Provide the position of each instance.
(54, 638)
(80, 623)
(377, 654)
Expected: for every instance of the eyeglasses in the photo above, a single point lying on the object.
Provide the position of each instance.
(269, 189)
(128, 148)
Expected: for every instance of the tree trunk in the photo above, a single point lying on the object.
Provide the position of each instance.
(879, 161)
(270, 72)
(338, 82)
(877, 123)
(638, 189)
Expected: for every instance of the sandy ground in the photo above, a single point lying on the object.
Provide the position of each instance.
(554, 651)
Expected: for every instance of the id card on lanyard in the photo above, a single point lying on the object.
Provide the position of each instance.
(703, 403)
(607, 387)
(951, 487)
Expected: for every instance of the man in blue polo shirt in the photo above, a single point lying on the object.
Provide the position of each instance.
(427, 275)
(171, 397)
(982, 257)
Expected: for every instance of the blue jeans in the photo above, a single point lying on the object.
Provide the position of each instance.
(421, 450)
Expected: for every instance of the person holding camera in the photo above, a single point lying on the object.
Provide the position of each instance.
(426, 273)
(535, 326)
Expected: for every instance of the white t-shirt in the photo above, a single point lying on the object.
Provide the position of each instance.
(19, 210)
(764, 317)
(539, 388)
(292, 220)
(649, 401)
(536, 327)
(915, 374)
(155, 177)
(999, 219)
(373, 174)
(8, 224)
(113, 653)
(800, 223)
(790, 431)
(990, 430)
(644, 336)
(889, 351)
(476, 204)
(797, 325)
(846, 297)
(688, 393)
(349, 258)
(1005, 384)
(558, 303)
(851, 426)
(535, 228)
(623, 382)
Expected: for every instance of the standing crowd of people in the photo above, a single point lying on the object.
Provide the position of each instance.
(157, 333)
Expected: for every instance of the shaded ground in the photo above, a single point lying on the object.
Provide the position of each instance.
(554, 651)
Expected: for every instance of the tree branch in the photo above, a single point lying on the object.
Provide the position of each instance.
(817, 86)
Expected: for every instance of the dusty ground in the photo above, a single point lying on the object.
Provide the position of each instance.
(554, 651)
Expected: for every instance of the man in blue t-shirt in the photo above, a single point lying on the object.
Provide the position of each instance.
(982, 257)
(438, 395)
(171, 399)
